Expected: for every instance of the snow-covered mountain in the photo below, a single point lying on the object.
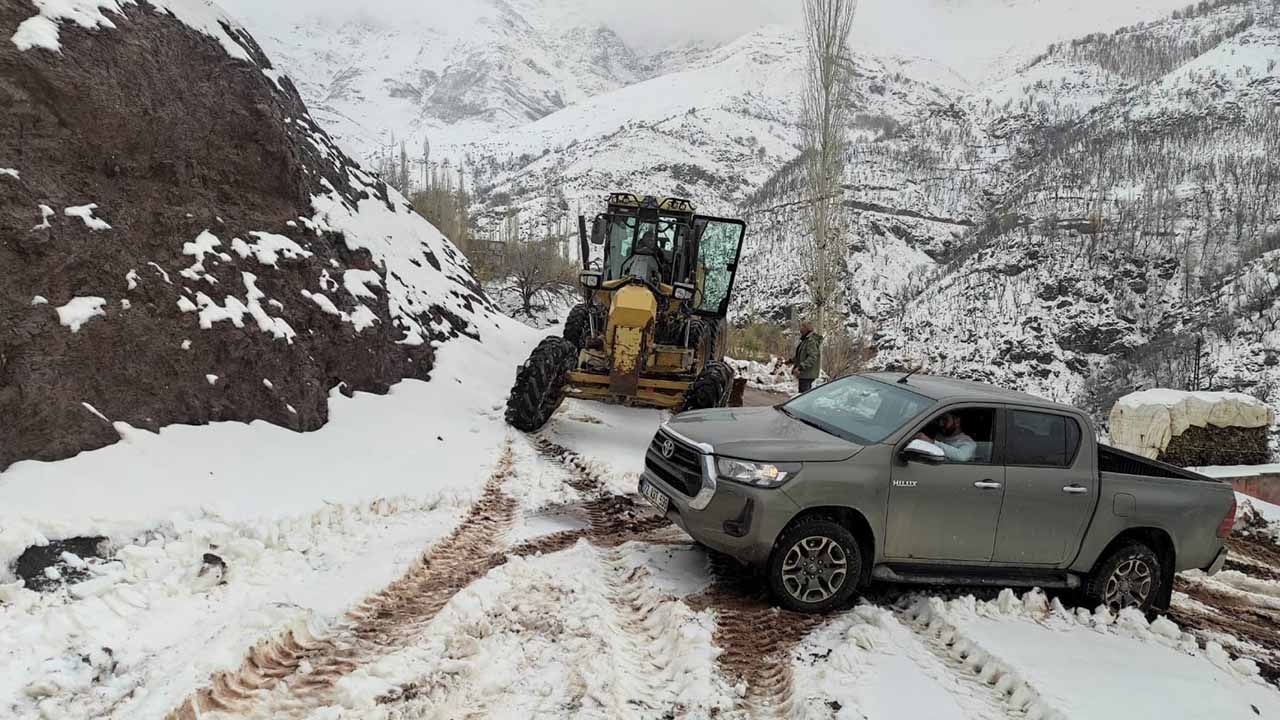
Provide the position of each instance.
(989, 137)
(478, 69)
(1105, 218)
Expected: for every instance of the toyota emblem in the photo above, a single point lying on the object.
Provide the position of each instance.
(668, 449)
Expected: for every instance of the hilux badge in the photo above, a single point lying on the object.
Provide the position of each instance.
(905, 483)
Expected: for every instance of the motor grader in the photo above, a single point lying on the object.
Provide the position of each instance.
(651, 328)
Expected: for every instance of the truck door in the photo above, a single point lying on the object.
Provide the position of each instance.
(1050, 489)
(949, 512)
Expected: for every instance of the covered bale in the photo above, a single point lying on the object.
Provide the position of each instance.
(1193, 429)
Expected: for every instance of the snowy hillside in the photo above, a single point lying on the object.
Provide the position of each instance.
(1106, 218)
(463, 71)
(186, 253)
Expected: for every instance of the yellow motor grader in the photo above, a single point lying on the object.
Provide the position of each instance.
(651, 329)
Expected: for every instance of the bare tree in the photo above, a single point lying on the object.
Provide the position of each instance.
(825, 115)
(537, 274)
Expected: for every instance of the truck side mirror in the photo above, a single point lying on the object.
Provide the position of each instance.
(922, 451)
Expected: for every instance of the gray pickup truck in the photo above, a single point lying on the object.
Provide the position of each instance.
(933, 480)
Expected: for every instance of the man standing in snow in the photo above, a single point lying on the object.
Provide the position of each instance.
(807, 363)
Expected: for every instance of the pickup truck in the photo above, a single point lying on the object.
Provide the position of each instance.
(933, 480)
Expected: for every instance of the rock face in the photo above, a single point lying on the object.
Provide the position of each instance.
(181, 243)
(1193, 428)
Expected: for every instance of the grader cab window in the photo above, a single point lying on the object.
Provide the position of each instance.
(718, 249)
(642, 248)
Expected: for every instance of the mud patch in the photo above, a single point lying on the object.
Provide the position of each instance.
(756, 637)
(1242, 627)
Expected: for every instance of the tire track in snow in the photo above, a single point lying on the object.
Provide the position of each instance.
(756, 638)
(301, 666)
(1008, 693)
(640, 649)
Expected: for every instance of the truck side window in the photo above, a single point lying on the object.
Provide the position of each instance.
(966, 435)
(1041, 440)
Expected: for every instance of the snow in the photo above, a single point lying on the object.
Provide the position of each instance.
(409, 249)
(202, 246)
(268, 248)
(46, 212)
(39, 300)
(1039, 656)
(10, 172)
(79, 311)
(233, 310)
(211, 379)
(131, 279)
(41, 31)
(85, 213)
(258, 472)
(1238, 471)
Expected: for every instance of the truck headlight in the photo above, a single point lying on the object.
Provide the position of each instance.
(683, 291)
(767, 475)
(590, 279)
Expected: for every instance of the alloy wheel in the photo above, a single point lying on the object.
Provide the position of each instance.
(814, 569)
(1129, 585)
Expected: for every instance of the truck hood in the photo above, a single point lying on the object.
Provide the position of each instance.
(764, 434)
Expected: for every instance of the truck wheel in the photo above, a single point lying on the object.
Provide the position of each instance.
(710, 389)
(540, 383)
(578, 325)
(1129, 577)
(815, 566)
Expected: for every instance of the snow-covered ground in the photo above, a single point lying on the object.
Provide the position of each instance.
(512, 589)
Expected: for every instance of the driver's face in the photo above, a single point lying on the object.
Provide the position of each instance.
(950, 424)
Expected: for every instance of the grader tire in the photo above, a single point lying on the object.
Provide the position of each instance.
(540, 383)
(710, 389)
(578, 325)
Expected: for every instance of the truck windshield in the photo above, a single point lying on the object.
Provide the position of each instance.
(859, 409)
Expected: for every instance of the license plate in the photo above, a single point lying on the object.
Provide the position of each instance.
(655, 496)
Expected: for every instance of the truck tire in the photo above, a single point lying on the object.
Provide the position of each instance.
(540, 383)
(577, 327)
(710, 389)
(815, 566)
(1131, 576)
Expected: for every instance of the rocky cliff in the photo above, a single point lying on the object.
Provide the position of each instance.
(181, 243)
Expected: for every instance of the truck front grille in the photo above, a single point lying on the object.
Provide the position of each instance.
(682, 471)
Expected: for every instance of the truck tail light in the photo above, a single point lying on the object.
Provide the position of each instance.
(1229, 520)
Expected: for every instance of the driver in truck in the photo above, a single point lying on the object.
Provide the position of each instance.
(951, 437)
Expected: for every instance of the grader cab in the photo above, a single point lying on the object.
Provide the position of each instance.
(651, 328)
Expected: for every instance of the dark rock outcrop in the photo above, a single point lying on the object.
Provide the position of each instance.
(175, 141)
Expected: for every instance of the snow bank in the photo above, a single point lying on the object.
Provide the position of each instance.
(148, 626)
(420, 441)
(1145, 422)
(1038, 655)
